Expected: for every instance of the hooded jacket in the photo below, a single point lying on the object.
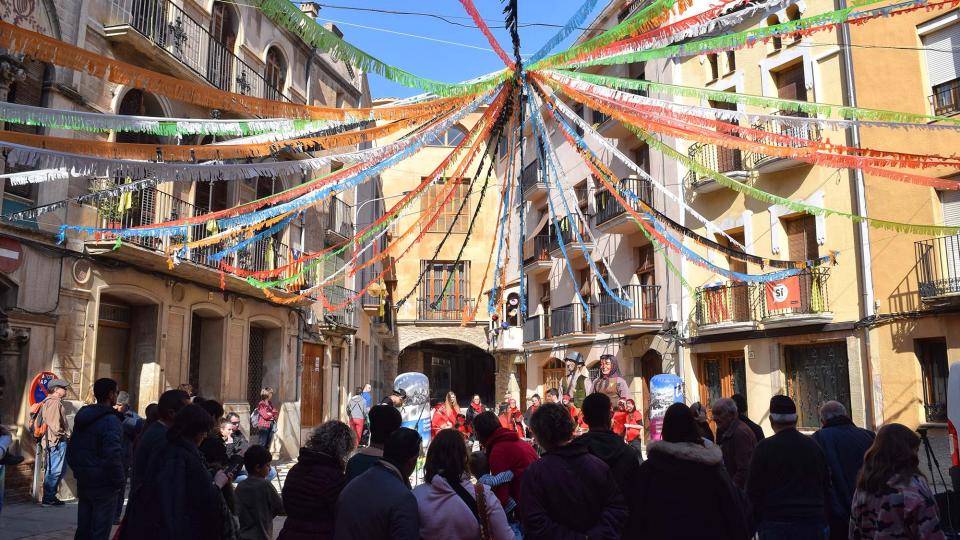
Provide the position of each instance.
(506, 452)
(685, 493)
(569, 493)
(624, 462)
(613, 384)
(310, 495)
(95, 452)
(443, 514)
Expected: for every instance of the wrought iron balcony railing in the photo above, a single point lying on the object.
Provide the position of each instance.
(566, 227)
(568, 319)
(608, 207)
(339, 218)
(747, 302)
(938, 267)
(530, 176)
(450, 308)
(714, 158)
(946, 98)
(644, 298)
(188, 40)
(345, 316)
(541, 250)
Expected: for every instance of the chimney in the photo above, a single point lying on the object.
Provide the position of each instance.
(333, 28)
(310, 9)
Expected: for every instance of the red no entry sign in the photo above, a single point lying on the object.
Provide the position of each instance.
(11, 255)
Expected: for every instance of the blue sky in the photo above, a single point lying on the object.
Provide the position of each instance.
(442, 61)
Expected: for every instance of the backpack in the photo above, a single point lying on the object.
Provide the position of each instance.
(37, 426)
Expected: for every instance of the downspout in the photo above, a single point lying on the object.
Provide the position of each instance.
(874, 396)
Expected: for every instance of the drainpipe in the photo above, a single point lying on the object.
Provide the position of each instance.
(874, 412)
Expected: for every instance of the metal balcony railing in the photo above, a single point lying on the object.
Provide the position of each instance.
(715, 158)
(938, 266)
(608, 207)
(644, 298)
(801, 132)
(190, 42)
(541, 250)
(568, 319)
(151, 206)
(532, 329)
(734, 302)
(746, 302)
(530, 176)
(345, 316)
(946, 98)
(450, 308)
(567, 235)
(339, 218)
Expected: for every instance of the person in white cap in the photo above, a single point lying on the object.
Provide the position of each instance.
(54, 440)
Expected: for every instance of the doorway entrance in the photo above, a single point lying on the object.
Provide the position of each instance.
(311, 386)
(453, 365)
(206, 353)
(126, 342)
(721, 375)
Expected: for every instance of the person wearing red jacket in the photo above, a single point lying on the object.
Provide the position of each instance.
(633, 422)
(512, 418)
(506, 451)
(619, 419)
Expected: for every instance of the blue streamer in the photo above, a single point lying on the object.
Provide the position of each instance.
(574, 23)
(276, 227)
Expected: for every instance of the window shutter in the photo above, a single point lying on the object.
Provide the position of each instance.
(943, 60)
(802, 238)
(950, 201)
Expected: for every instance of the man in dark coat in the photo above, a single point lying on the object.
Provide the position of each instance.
(735, 439)
(844, 446)
(132, 426)
(622, 458)
(568, 493)
(789, 482)
(506, 451)
(154, 436)
(378, 504)
(742, 414)
(95, 454)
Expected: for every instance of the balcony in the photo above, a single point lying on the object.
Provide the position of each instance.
(739, 307)
(568, 324)
(946, 98)
(451, 308)
(539, 261)
(187, 47)
(643, 316)
(339, 219)
(767, 164)
(343, 320)
(533, 329)
(612, 217)
(728, 161)
(384, 324)
(938, 267)
(567, 226)
(151, 206)
(531, 182)
(733, 307)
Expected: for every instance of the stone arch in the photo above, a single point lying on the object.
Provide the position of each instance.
(472, 335)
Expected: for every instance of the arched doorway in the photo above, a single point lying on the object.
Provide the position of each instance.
(452, 365)
(224, 26)
(127, 342)
(646, 367)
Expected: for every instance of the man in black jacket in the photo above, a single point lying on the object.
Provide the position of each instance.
(95, 455)
(789, 482)
(742, 413)
(623, 459)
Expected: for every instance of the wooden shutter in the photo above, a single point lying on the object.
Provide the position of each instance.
(791, 84)
(943, 58)
(950, 202)
(802, 238)
(735, 265)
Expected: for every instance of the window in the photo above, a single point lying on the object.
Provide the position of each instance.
(802, 238)
(451, 137)
(791, 84)
(266, 186)
(645, 265)
(512, 309)
(932, 354)
(448, 212)
(943, 68)
(776, 42)
(714, 66)
(817, 373)
(27, 91)
(641, 156)
(223, 28)
(275, 74)
(210, 196)
(793, 14)
(578, 110)
(731, 61)
(439, 301)
(599, 117)
(581, 191)
(503, 147)
(638, 72)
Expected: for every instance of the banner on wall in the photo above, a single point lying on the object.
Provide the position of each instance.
(784, 293)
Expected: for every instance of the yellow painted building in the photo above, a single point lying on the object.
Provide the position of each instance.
(916, 279)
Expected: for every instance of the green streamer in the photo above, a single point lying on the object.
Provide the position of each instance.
(287, 15)
(811, 108)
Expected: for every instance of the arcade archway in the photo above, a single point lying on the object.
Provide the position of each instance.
(452, 365)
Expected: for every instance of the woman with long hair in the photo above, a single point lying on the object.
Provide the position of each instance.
(633, 424)
(450, 505)
(451, 409)
(893, 499)
(266, 418)
(313, 485)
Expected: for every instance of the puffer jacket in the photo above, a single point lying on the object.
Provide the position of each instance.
(310, 495)
(95, 452)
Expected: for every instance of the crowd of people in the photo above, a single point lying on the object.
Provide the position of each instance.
(193, 473)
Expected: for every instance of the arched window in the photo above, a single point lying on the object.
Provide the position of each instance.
(451, 137)
(776, 40)
(223, 29)
(793, 14)
(276, 73)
